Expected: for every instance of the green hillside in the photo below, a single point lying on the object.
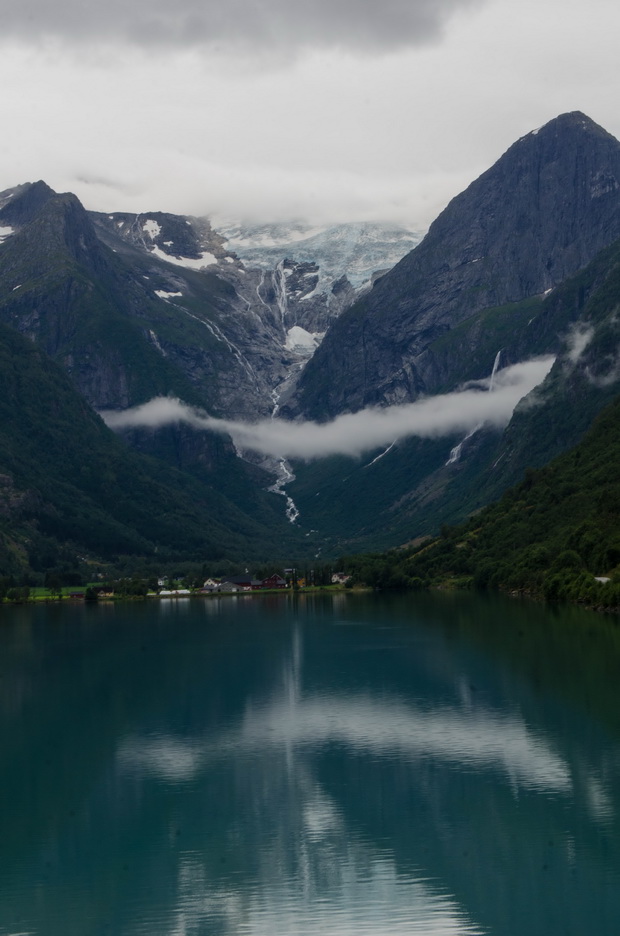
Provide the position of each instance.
(70, 490)
(549, 535)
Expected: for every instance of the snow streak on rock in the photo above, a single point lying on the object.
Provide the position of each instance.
(219, 334)
(152, 228)
(388, 449)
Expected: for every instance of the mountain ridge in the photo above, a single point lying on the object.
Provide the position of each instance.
(512, 234)
(416, 485)
(524, 262)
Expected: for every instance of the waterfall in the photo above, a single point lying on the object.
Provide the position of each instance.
(279, 286)
(285, 476)
(455, 453)
(283, 472)
(495, 369)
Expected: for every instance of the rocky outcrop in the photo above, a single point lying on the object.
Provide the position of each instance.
(165, 234)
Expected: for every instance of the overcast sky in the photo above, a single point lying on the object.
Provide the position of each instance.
(331, 110)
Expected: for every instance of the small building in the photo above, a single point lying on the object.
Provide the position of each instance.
(340, 578)
(223, 588)
(274, 581)
(245, 582)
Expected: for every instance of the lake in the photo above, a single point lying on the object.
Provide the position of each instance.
(284, 765)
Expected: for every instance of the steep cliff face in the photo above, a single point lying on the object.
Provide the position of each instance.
(140, 305)
(284, 290)
(548, 205)
(126, 323)
(410, 489)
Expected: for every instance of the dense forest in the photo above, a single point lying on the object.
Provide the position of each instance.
(554, 535)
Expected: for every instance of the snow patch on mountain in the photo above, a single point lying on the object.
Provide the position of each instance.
(152, 228)
(190, 263)
(5, 232)
(166, 295)
(301, 341)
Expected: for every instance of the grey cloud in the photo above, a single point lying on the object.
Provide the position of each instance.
(578, 340)
(354, 433)
(280, 24)
(605, 371)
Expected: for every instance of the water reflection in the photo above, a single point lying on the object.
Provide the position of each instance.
(255, 767)
(370, 899)
(380, 727)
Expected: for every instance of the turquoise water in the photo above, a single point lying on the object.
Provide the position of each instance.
(279, 766)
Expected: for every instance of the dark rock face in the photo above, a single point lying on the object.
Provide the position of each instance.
(541, 213)
(173, 235)
(22, 204)
(372, 502)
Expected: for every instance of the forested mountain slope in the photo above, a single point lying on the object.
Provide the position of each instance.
(72, 494)
(551, 534)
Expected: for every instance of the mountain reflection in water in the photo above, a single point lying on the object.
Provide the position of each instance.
(286, 767)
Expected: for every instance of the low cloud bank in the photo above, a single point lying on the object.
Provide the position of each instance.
(354, 433)
(578, 339)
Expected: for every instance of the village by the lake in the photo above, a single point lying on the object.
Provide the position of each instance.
(176, 587)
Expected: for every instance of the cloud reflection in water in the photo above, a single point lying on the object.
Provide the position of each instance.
(476, 740)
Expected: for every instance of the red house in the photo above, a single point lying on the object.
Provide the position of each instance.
(274, 581)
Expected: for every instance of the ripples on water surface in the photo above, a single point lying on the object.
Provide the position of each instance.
(282, 766)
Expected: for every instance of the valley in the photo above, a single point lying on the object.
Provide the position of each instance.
(311, 328)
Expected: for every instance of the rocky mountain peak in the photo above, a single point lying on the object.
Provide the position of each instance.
(48, 221)
(22, 203)
(551, 200)
(570, 122)
(538, 215)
